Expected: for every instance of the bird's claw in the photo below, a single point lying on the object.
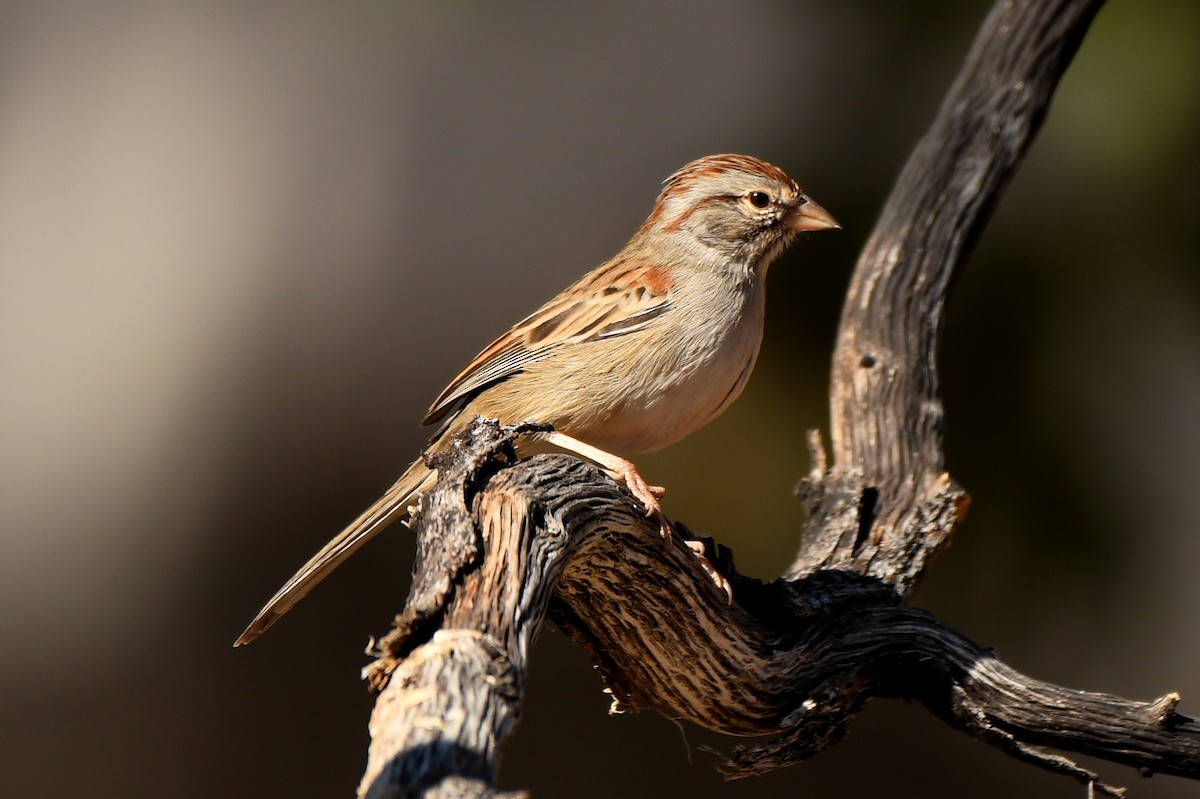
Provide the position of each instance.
(649, 496)
(697, 549)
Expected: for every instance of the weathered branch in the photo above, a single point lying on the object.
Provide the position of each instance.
(885, 406)
(799, 657)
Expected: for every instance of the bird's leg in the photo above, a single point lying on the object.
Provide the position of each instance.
(626, 473)
(623, 472)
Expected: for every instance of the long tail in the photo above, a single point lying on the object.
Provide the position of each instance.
(418, 479)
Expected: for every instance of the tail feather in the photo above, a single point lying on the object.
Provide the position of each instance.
(394, 503)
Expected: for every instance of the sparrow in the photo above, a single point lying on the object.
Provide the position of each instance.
(637, 354)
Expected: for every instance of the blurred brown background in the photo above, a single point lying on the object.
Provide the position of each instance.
(243, 245)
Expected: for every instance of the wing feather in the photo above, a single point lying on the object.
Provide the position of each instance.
(618, 299)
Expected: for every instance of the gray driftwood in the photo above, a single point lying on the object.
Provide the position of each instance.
(502, 544)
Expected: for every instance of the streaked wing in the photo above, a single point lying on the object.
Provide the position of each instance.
(617, 299)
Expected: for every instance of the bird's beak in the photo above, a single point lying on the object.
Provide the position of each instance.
(810, 216)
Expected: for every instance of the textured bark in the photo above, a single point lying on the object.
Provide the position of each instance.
(452, 671)
(502, 543)
(886, 413)
(794, 658)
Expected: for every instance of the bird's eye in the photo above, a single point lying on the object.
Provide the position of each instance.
(759, 199)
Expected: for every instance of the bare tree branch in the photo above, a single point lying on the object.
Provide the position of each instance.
(885, 405)
(793, 658)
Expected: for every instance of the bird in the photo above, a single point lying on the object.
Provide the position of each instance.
(637, 354)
